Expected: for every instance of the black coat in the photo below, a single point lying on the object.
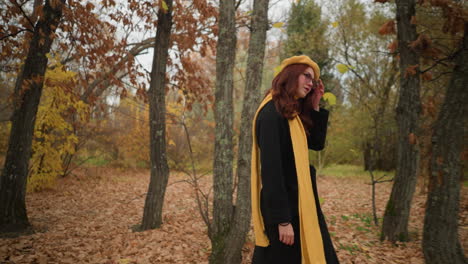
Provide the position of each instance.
(279, 193)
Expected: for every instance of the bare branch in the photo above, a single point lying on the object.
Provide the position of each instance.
(384, 181)
(239, 2)
(24, 13)
(104, 81)
(440, 61)
(14, 34)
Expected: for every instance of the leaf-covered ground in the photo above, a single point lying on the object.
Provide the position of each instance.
(88, 219)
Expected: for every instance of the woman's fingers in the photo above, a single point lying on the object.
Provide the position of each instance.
(286, 234)
(321, 87)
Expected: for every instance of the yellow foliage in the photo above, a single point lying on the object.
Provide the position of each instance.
(330, 98)
(164, 6)
(278, 24)
(132, 133)
(343, 68)
(277, 69)
(53, 134)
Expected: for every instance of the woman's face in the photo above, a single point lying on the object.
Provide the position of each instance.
(305, 83)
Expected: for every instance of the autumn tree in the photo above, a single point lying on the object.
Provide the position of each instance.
(28, 89)
(100, 44)
(447, 136)
(369, 75)
(230, 222)
(255, 61)
(86, 44)
(104, 60)
(306, 34)
(223, 114)
(441, 243)
(126, 136)
(395, 222)
(53, 133)
(152, 215)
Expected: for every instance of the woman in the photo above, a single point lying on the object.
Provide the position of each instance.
(288, 223)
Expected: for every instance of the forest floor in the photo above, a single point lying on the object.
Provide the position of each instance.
(88, 218)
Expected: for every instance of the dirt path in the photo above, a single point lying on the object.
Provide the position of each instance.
(88, 219)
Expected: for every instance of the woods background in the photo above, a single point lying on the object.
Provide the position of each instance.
(140, 97)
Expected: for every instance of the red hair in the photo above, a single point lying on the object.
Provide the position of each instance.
(284, 89)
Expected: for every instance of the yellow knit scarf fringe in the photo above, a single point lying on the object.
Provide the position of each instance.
(311, 238)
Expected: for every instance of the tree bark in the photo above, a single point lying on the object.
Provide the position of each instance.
(152, 214)
(28, 90)
(223, 115)
(242, 213)
(440, 237)
(395, 223)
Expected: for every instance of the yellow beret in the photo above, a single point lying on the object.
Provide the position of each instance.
(303, 59)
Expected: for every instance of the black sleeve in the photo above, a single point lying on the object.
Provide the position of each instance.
(269, 133)
(318, 133)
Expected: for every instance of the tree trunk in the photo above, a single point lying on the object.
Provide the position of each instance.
(28, 89)
(395, 223)
(440, 239)
(223, 115)
(242, 213)
(152, 214)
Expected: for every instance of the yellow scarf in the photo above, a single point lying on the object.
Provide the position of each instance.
(311, 238)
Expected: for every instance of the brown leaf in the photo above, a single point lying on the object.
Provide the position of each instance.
(387, 28)
(439, 3)
(411, 70)
(393, 46)
(123, 94)
(464, 155)
(429, 107)
(422, 43)
(427, 76)
(412, 138)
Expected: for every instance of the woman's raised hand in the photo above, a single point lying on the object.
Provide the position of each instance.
(318, 92)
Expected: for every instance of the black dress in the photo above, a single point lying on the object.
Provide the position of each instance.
(279, 194)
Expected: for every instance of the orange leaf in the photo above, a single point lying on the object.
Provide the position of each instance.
(423, 42)
(464, 155)
(411, 70)
(393, 46)
(429, 107)
(427, 76)
(412, 138)
(387, 28)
